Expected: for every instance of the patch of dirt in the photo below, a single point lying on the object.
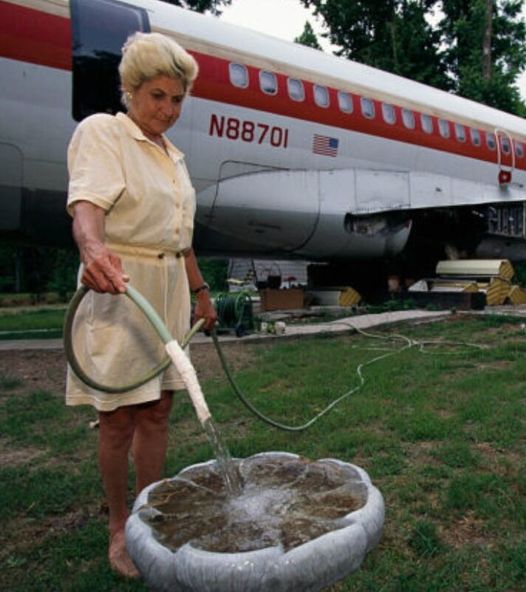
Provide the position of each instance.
(467, 530)
(9, 456)
(46, 369)
(421, 453)
(36, 369)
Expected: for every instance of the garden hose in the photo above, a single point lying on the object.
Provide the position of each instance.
(235, 312)
(310, 422)
(232, 309)
(149, 313)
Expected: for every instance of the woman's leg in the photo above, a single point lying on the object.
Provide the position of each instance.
(150, 440)
(115, 439)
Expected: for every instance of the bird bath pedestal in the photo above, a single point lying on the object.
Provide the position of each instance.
(298, 526)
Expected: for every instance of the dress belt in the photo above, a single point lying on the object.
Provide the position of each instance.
(141, 251)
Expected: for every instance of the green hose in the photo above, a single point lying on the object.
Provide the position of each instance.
(149, 313)
(165, 336)
(235, 312)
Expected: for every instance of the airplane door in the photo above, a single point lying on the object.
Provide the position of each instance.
(100, 28)
(505, 156)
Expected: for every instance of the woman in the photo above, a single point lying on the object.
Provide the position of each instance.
(133, 207)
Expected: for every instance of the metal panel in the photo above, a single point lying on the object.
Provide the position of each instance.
(429, 191)
(378, 191)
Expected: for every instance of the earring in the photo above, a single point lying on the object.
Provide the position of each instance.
(129, 96)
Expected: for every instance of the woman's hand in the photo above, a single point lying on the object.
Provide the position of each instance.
(204, 309)
(104, 272)
(102, 269)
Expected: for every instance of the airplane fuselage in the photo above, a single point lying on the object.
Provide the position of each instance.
(293, 153)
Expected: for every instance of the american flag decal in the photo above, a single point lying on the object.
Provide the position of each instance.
(324, 145)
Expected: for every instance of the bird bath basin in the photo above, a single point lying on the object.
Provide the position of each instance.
(298, 525)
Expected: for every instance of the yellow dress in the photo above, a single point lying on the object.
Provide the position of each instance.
(150, 205)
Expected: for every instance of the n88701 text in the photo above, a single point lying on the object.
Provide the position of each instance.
(248, 131)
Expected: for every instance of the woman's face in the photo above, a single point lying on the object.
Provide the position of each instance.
(156, 105)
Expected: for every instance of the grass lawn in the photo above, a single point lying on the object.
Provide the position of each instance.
(441, 430)
(44, 323)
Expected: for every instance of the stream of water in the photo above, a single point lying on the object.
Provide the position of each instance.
(228, 469)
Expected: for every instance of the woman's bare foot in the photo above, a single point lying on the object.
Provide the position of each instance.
(119, 558)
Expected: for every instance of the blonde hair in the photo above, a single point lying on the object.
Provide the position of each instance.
(146, 55)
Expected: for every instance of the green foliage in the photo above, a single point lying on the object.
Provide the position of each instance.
(486, 50)
(477, 50)
(424, 539)
(27, 417)
(38, 270)
(215, 272)
(520, 274)
(308, 37)
(42, 492)
(63, 274)
(213, 6)
(8, 382)
(457, 454)
(472, 492)
(43, 269)
(7, 268)
(393, 36)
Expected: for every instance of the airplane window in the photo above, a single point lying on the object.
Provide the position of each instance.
(268, 82)
(460, 132)
(505, 143)
(321, 96)
(388, 113)
(367, 107)
(99, 30)
(296, 89)
(475, 136)
(238, 75)
(408, 117)
(491, 141)
(519, 149)
(345, 101)
(427, 123)
(443, 128)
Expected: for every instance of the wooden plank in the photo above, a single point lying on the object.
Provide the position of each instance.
(287, 299)
(517, 295)
(476, 268)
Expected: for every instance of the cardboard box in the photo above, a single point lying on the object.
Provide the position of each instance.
(281, 299)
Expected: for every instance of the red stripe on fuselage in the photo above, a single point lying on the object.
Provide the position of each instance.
(33, 36)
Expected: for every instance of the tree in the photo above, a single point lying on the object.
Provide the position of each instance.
(214, 6)
(477, 49)
(486, 50)
(392, 35)
(308, 37)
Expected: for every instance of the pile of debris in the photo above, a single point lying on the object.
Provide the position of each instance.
(488, 279)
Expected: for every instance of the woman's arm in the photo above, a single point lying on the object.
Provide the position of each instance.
(204, 309)
(102, 268)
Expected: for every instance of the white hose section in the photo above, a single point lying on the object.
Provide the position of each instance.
(189, 376)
